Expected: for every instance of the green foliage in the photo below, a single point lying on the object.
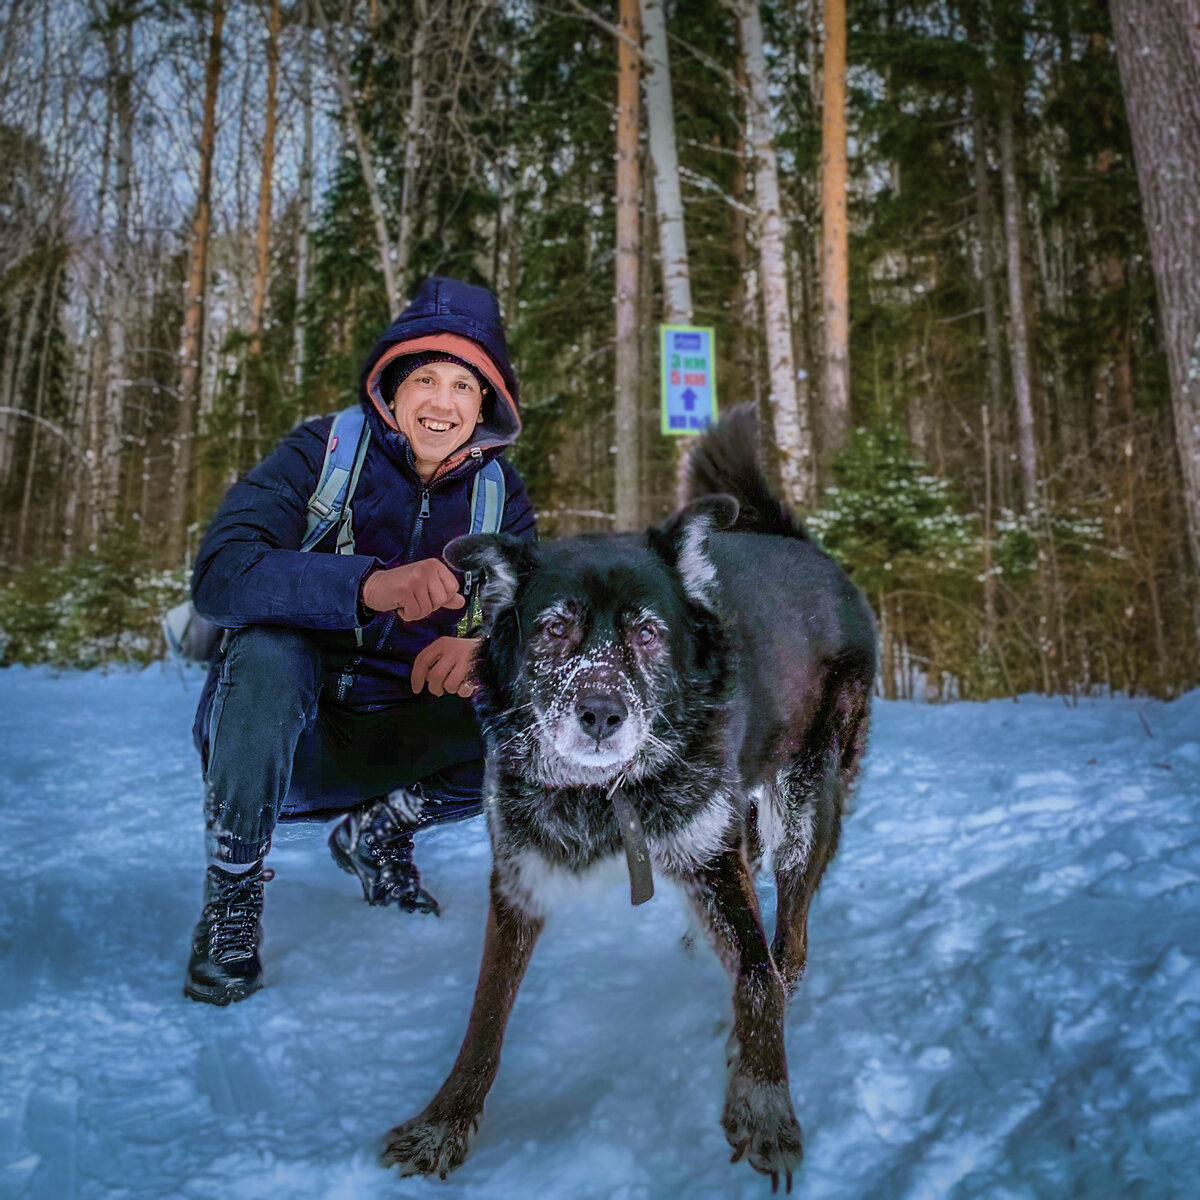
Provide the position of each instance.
(891, 523)
(98, 609)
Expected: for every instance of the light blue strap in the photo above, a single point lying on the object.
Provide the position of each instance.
(345, 542)
(348, 435)
(487, 499)
(488, 494)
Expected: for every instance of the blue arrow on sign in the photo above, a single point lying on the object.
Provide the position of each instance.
(689, 399)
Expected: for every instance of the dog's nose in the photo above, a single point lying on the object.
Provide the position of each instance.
(601, 714)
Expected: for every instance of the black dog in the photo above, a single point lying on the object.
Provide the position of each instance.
(686, 695)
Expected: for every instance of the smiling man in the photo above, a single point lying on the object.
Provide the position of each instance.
(342, 687)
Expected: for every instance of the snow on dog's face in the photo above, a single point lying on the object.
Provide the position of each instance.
(590, 642)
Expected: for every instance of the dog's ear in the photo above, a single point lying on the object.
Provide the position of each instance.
(501, 560)
(682, 540)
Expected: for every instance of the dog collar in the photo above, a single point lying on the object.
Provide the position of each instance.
(633, 837)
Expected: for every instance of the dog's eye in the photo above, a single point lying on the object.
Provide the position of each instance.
(557, 628)
(646, 635)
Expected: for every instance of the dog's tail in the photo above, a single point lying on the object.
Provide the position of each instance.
(726, 462)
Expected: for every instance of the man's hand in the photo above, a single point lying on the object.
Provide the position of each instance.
(414, 590)
(445, 666)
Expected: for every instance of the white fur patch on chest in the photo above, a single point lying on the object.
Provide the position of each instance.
(698, 842)
(538, 886)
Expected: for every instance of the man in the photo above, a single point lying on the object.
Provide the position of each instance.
(342, 686)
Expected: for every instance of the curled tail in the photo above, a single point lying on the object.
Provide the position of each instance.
(726, 462)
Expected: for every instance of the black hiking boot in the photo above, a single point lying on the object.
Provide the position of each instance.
(224, 965)
(376, 844)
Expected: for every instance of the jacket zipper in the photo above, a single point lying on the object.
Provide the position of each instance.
(346, 679)
(412, 549)
(347, 676)
(416, 530)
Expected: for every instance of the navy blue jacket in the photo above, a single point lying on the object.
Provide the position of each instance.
(249, 569)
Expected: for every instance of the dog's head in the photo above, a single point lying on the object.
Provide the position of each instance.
(594, 643)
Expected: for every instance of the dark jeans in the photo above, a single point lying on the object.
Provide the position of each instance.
(274, 749)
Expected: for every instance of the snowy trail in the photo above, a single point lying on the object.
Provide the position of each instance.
(1003, 997)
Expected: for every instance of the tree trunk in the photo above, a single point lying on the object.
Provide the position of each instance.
(627, 500)
(305, 195)
(363, 147)
(1019, 332)
(793, 435)
(835, 274)
(197, 294)
(116, 382)
(660, 114)
(650, 443)
(413, 133)
(258, 300)
(987, 259)
(743, 308)
(80, 404)
(1158, 52)
(989, 578)
(668, 200)
(8, 387)
(39, 405)
(28, 337)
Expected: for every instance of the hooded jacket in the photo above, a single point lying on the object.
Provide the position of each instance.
(250, 569)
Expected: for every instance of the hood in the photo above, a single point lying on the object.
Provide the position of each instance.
(460, 319)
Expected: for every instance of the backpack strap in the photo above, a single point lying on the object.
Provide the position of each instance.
(487, 498)
(191, 638)
(329, 505)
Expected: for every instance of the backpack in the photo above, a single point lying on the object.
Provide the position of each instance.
(192, 638)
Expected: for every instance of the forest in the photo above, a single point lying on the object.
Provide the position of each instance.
(949, 251)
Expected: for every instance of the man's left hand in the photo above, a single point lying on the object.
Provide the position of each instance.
(445, 666)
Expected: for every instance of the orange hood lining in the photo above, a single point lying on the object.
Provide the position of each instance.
(450, 343)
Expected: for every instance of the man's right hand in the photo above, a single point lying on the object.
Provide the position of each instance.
(414, 590)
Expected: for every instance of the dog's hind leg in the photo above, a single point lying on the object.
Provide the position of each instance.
(808, 801)
(439, 1138)
(758, 1118)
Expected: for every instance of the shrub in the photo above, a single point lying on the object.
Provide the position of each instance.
(90, 612)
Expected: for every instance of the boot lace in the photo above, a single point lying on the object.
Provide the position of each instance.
(381, 836)
(233, 918)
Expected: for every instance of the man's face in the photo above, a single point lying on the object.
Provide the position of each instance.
(437, 408)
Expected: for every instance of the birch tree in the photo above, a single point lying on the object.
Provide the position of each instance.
(197, 293)
(1018, 339)
(793, 434)
(664, 157)
(119, 21)
(627, 373)
(987, 252)
(668, 199)
(1158, 50)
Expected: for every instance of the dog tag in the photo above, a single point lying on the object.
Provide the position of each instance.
(637, 853)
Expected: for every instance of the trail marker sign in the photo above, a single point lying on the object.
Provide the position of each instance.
(689, 379)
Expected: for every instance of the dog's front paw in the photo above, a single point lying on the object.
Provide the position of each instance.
(762, 1128)
(429, 1144)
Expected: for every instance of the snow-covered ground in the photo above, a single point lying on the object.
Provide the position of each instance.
(1003, 996)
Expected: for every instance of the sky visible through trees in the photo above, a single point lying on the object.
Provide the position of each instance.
(996, 443)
